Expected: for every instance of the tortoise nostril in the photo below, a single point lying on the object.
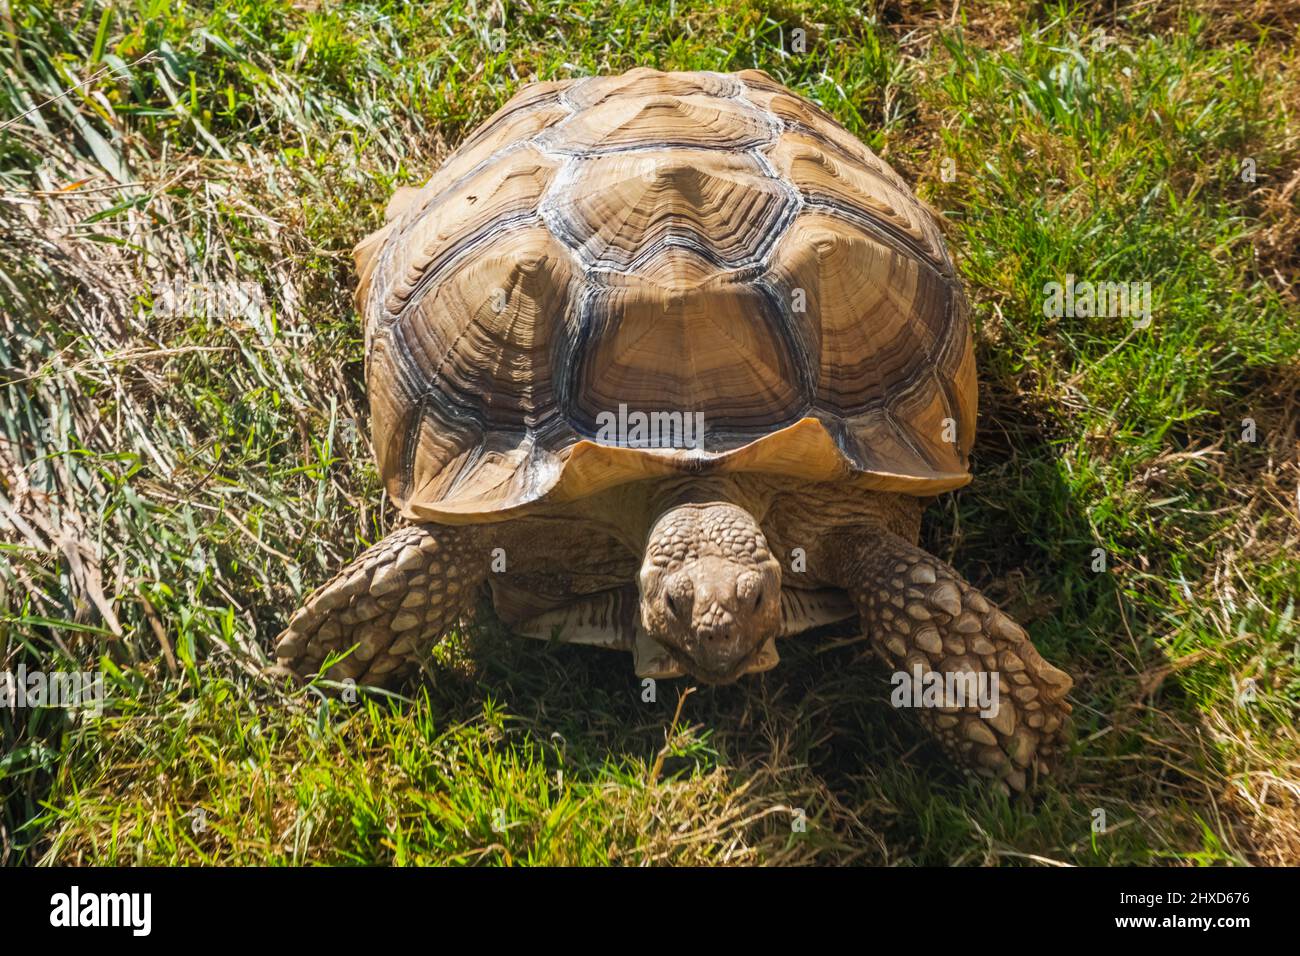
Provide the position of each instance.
(716, 632)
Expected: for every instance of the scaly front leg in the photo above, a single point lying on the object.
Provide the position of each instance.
(917, 610)
(391, 604)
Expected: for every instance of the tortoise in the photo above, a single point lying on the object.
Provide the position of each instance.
(670, 363)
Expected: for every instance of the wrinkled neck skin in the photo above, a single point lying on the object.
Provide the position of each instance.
(664, 496)
(792, 513)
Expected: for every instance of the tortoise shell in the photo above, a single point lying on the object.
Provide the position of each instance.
(705, 252)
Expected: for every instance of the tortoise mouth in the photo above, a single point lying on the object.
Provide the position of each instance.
(714, 674)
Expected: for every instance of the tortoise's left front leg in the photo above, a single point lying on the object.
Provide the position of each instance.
(918, 611)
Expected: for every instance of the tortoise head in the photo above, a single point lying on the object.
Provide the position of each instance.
(710, 589)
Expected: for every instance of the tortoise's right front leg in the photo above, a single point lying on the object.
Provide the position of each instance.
(392, 604)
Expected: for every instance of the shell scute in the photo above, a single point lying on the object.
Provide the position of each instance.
(724, 208)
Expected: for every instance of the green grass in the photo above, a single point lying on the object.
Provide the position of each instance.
(173, 482)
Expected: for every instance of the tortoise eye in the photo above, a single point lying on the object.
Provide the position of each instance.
(678, 597)
(750, 590)
(673, 607)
